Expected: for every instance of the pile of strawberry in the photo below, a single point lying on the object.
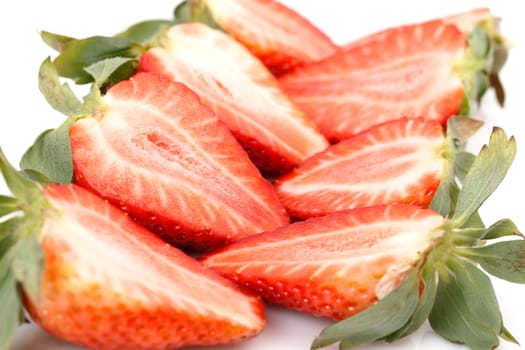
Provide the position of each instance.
(234, 155)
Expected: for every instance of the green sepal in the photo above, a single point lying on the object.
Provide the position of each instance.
(501, 228)
(55, 41)
(28, 260)
(507, 335)
(146, 32)
(8, 205)
(194, 11)
(112, 70)
(466, 310)
(21, 187)
(376, 322)
(59, 96)
(505, 260)
(12, 311)
(463, 163)
(483, 176)
(424, 306)
(82, 53)
(51, 155)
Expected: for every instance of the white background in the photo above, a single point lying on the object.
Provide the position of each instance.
(24, 114)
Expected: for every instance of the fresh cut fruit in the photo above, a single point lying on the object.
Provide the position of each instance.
(278, 35)
(152, 148)
(397, 162)
(430, 69)
(240, 90)
(89, 274)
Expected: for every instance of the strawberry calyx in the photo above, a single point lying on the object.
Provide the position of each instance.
(478, 68)
(21, 257)
(447, 286)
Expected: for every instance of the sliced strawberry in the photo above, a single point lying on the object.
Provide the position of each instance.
(242, 92)
(397, 162)
(278, 35)
(332, 266)
(108, 283)
(152, 148)
(407, 71)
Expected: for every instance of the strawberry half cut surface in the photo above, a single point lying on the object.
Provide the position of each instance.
(332, 266)
(384, 270)
(278, 35)
(397, 162)
(424, 69)
(152, 148)
(241, 91)
(91, 275)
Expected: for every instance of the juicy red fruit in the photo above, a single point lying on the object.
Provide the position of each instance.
(154, 150)
(406, 71)
(332, 266)
(398, 162)
(110, 284)
(241, 91)
(276, 34)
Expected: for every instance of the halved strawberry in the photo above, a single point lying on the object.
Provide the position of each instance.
(241, 91)
(333, 266)
(281, 37)
(152, 148)
(397, 162)
(408, 71)
(105, 282)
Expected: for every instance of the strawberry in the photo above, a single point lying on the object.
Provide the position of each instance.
(401, 161)
(241, 91)
(152, 148)
(93, 276)
(423, 69)
(272, 31)
(333, 266)
(383, 270)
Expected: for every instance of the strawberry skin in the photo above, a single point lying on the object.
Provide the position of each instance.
(153, 149)
(276, 34)
(332, 266)
(397, 162)
(241, 91)
(406, 71)
(110, 284)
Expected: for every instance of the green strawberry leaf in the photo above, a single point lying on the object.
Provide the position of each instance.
(424, 306)
(55, 41)
(466, 310)
(28, 261)
(50, 155)
(59, 96)
(501, 228)
(145, 32)
(194, 11)
(79, 54)
(462, 164)
(506, 335)
(8, 205)
(505, 260)
(20, 186)
(11, 309)
(110, 71)
(376, 322)
(486, 173)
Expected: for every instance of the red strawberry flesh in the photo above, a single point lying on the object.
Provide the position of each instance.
(108, 283)
(278, 35)
(406, 71)
(241, 91)
(332, 266)
(156, 151)
(398, 162)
